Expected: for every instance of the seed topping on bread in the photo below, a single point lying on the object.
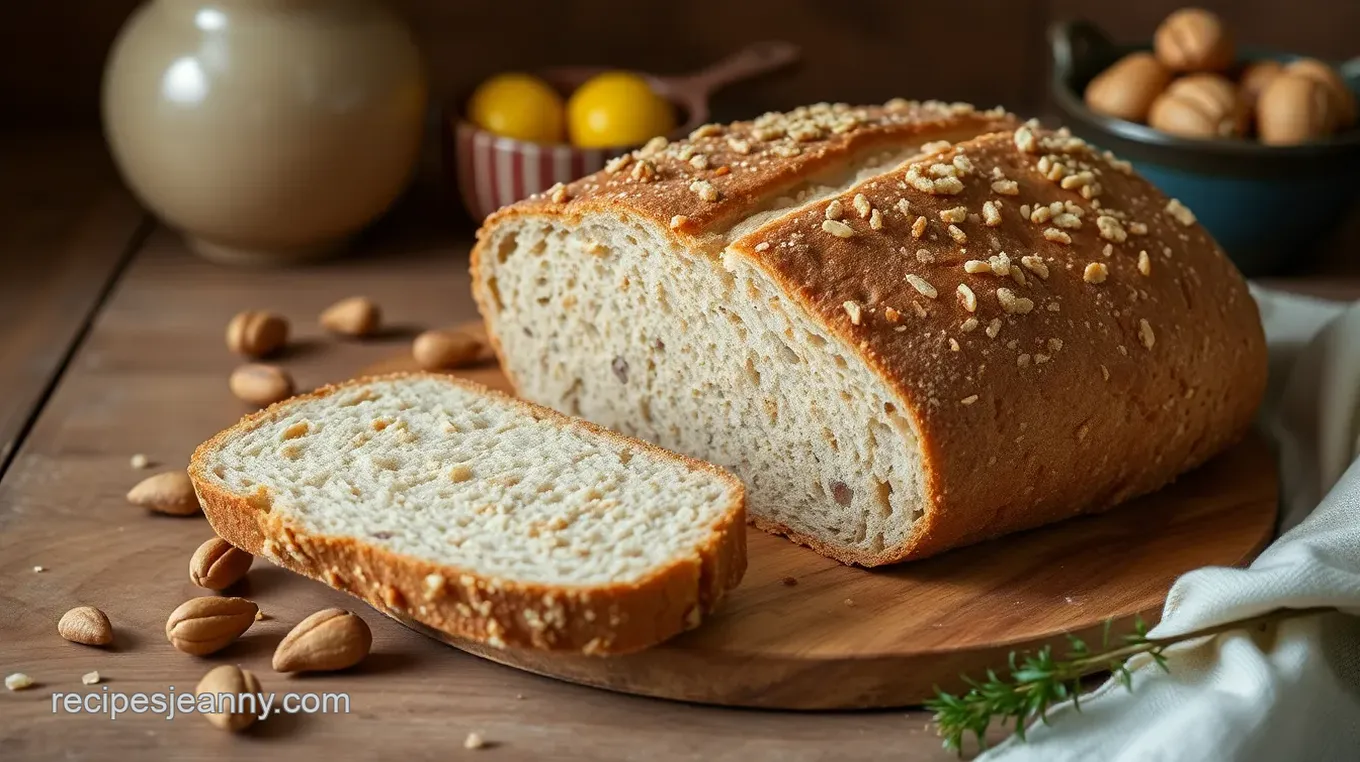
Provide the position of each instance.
(955, 194)
(922, 286)
(1180, 212)
(952, 257)
(719, 164)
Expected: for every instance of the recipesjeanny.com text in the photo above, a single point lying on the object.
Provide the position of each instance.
(171, 703)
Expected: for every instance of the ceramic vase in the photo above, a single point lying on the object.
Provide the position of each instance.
(268, 131)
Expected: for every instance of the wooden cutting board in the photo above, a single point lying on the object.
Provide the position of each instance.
(805, 632)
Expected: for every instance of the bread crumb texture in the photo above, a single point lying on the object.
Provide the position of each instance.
(433, 498)
(790, 334)
(427, 469)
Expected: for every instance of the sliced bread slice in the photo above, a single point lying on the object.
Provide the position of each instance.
(478, 515)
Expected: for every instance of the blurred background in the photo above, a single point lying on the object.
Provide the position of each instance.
(987, 52)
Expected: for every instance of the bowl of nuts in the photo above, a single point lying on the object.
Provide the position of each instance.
(1262, 145)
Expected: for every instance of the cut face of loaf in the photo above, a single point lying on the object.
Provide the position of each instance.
(478, 515)
(900, 345)
(713, 359)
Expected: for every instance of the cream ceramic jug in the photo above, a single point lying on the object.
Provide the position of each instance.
(267, 130)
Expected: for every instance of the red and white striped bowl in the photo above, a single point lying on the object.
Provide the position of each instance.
(494, 171)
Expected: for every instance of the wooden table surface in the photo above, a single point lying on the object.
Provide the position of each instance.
(65, 228)
(111, 344)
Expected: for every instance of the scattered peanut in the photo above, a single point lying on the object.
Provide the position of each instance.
(169, 492)
(441, 349)
(261, 385)
(477, 330)
(325, 641)
(86, 625)
(18, 681)
(355, 316)
(91, 678)
(201, 626)
(217, 565)
(256, 333)
(231, 679)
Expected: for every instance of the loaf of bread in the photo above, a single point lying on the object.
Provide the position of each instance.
(905, 328)
(484, 517)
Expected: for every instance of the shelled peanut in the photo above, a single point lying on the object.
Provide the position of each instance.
(257, 333)
(1191, 86)
(261, 385)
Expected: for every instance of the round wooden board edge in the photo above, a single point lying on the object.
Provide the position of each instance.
(815, 687)
(805, 685)
(675, 674)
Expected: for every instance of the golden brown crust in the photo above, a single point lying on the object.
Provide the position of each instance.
(604, 619)
(1070, 403)
(1024, 428)
(745, 163)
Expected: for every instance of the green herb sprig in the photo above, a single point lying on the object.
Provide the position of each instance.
(1038, 681)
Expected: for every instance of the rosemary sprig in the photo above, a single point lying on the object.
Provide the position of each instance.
(1040, 680)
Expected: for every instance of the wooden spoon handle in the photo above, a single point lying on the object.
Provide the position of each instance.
(751, 61)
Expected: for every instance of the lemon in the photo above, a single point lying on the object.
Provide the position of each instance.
(518, 106)
(617, 109)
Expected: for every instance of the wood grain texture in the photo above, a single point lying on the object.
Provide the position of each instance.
(66, 225)
(151, 378)
(849, 638)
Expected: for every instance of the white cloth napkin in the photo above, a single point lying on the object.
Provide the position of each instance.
(1289, 692)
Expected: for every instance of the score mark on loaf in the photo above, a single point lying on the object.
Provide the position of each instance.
(905, 328)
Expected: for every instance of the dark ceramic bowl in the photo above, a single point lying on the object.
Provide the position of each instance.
(1268, 206)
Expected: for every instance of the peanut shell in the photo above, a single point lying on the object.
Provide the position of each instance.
(356, 316)
(256, 333)
(169, 492)
(261, 385)
(1193, 39)
(86, 625)
(328, 640)
(217, 565)
(443, 350)
(229, 678)
(201, 626)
